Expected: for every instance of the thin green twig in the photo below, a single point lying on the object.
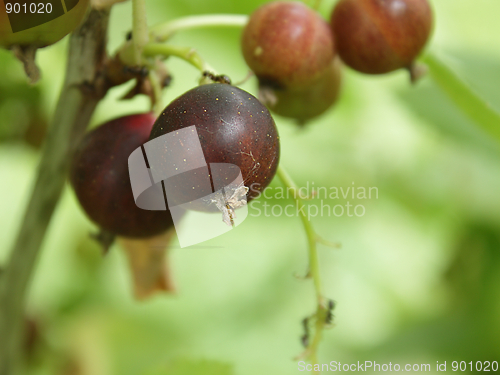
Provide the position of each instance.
(186, 53)
(164, 31)
(140, 35)
(320, 317)
(132, 53)
(155, 83)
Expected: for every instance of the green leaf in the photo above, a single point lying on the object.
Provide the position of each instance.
(464, 96)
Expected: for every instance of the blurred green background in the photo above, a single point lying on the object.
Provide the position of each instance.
(417, 279)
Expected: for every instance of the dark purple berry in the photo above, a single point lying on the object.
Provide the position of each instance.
(233, 127)
(100, 177)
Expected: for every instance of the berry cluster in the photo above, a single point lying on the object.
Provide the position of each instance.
(296, 56)
(293, 51)
(232, 125)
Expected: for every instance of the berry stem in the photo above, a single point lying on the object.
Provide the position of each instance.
(417, 71)
(164, 31)
(140, 35)
(312, 238)
(131, 53)
(320, 316)
(316, 4)
(82, 90)
(156, 103)
(27, 54)
(186, 53)
(463, 96)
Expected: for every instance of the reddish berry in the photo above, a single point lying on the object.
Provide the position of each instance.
(306, 103)
(100, 177)
(287, 45)
(379, 36)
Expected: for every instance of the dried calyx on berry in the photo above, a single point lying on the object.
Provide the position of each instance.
(116, 72)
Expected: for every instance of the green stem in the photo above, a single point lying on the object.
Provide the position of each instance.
(313, 252)
(312, 238)
(314, 270)
(186, 53)
(316, 4)
(131, 53)
(164, 31)
(157, 106)
(463, 96)
(83, 88)
(140, 35)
